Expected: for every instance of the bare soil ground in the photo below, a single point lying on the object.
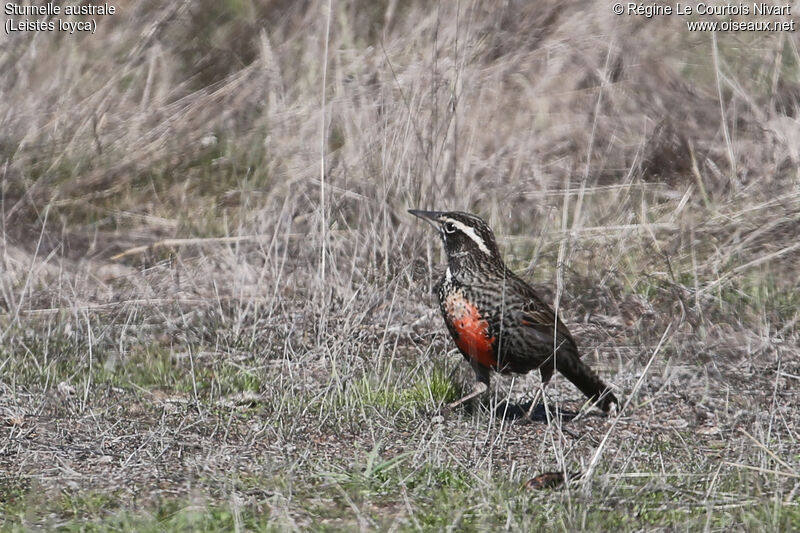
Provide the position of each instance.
(216, 314)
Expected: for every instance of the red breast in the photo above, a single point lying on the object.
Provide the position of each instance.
(473, 331)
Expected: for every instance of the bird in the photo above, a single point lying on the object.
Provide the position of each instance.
(496, 319)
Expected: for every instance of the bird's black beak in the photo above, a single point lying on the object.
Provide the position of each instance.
(431, 217)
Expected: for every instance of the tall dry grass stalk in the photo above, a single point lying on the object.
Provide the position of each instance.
(227, 183)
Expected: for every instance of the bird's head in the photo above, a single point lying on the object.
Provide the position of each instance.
(465, 236)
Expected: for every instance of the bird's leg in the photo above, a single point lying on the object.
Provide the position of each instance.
(532, 408)
(541, 394)
(479, 388)
(613, 409)
(546, 370)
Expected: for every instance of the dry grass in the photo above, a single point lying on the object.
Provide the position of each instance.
(215, 312)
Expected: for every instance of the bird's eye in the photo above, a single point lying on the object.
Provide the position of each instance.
(449, 227)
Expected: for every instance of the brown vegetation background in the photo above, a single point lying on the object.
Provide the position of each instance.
(215, 310)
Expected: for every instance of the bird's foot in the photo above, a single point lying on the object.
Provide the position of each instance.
(443, 413)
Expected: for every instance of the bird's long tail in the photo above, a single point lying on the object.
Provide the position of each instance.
(586, 380)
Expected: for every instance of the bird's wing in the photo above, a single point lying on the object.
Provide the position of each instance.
(541, 322)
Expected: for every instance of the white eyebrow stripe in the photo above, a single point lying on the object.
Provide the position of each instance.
(470, 232)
